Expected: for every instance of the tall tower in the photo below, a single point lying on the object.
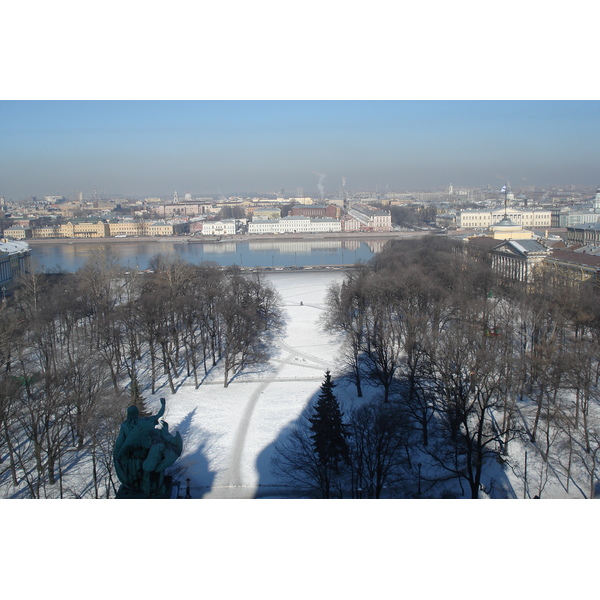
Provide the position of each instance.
(597, 201)
(175, 198)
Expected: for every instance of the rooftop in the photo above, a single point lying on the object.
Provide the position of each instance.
(576, 258)
(528, 246)
(14, 247)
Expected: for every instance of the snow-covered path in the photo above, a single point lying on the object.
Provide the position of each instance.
(230, 483)
(228, 432)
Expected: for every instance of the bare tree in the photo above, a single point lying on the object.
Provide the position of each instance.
(249, 312)
(469, 392)
(378, 435)
(347, 313)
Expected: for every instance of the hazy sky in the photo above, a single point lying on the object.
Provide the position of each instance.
(143, 148)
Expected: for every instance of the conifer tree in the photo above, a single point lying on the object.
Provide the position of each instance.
(328, 434)
(136, 396)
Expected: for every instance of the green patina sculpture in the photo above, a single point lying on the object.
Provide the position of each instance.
(142, 452)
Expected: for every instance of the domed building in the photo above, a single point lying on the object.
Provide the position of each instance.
(505, 229)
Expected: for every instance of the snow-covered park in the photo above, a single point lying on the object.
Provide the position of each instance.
(288, 548)
(229, 432)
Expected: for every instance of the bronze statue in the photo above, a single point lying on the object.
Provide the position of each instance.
(142, 452)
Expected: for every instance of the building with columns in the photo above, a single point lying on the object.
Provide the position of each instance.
(586, 235)
(519, 260)
(15, 260)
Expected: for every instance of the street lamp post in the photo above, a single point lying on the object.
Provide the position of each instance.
(419, 468)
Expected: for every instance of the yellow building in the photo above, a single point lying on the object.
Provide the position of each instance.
(101, 229)
(126, 228)
(17, 232)
(480, 219)
(83, 229)
(72, 229)
(507, 230)
(159, 228)
(46, 232)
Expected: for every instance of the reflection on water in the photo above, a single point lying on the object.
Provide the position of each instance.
(65, 256)
(299, 246)
(220, 248)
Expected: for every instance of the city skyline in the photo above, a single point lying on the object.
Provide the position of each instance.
(152, 148)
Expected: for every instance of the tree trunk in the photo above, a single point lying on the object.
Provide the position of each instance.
(94, 470)
(153, 367)
(537, 414)
(13, 468)
(226, 376)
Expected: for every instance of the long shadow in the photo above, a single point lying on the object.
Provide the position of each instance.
(270, 485)
(495, 481)
(193, 463)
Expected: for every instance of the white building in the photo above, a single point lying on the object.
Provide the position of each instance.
(294, 225)
(225, 227)
(370, 218)
(14, 261)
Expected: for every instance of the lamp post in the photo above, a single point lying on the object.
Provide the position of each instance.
(419, 490)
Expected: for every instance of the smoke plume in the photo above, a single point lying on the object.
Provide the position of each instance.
(320, 185)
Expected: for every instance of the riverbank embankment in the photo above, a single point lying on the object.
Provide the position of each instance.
(234, 238)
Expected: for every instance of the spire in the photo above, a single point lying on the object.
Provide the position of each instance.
(505, 190)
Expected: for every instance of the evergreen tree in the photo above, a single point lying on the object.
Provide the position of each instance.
(136, 396)
(328, 434)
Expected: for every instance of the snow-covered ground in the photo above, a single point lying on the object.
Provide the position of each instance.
(229, 432)
(294, 548)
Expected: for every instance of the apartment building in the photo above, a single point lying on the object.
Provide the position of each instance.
(371, 218)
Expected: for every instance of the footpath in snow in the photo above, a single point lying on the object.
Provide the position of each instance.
(229, 432)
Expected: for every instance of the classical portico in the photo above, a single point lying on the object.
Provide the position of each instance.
(518, 260)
